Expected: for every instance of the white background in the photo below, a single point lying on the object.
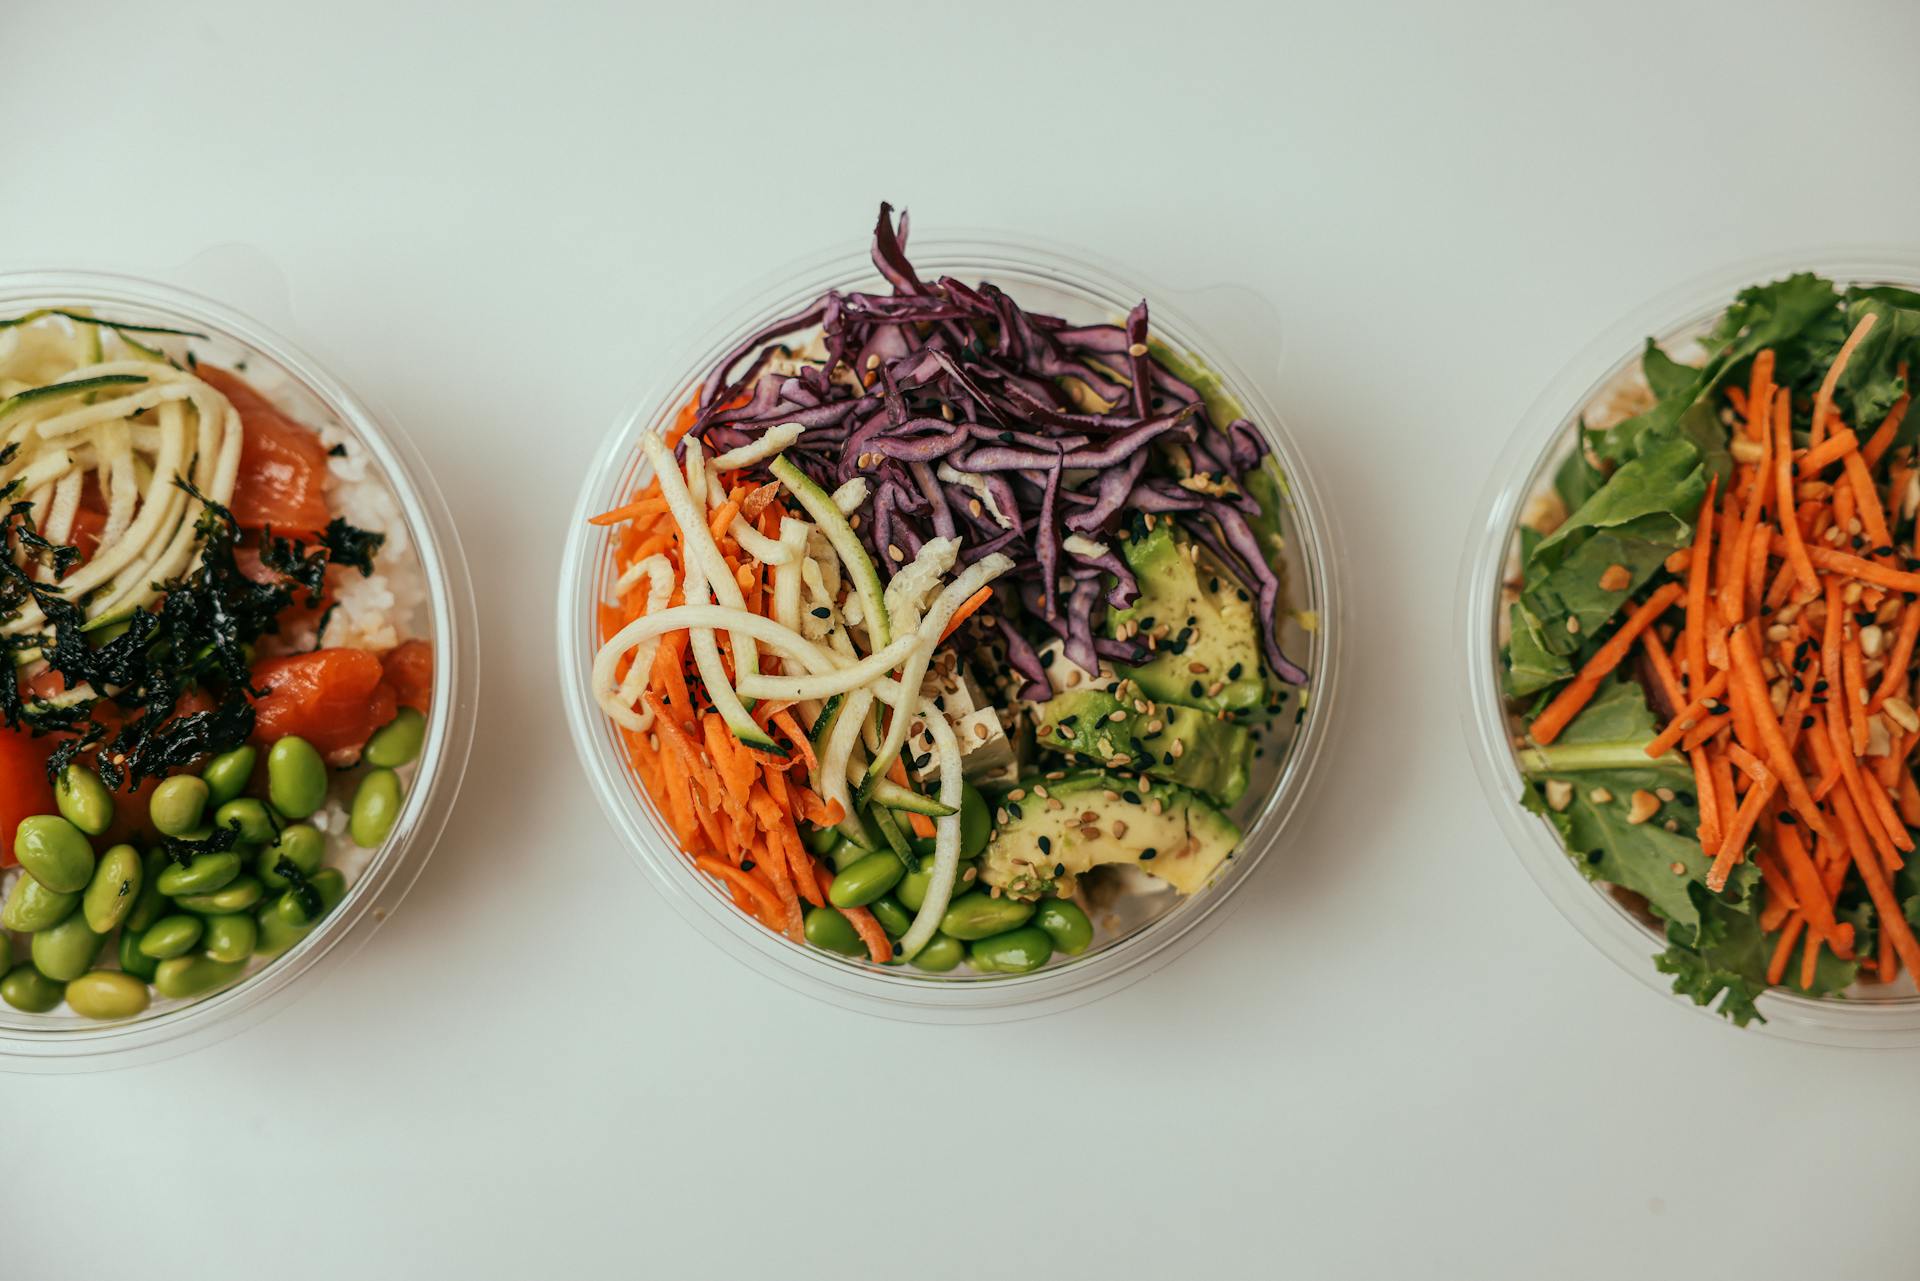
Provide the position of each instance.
(1393, 1060)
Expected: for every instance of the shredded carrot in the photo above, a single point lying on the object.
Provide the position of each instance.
(1570, 700)
(966, 610)
(1830, 450)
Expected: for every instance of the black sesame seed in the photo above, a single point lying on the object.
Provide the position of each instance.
(1786, 816)
(1148, 853)
(1131, 798)
(1059, 869)
(1233, 673)
(746, 865)
(1013, 808)
(1046, 845)
(1046, 658)
(821, 611)
(1196, 689)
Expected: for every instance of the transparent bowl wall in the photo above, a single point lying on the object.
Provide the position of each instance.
(1525, 468)
(62, 1040)
(1042, 278)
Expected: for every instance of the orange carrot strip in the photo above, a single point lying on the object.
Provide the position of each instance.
(1697, 570)
(1830, 450)
(1824, 400)
(879, 946)
(1796, 548)
(1705, 730)
(801, 743)
(1746, 665)
(1893, 920)
(1689, 717)
(1848, 565)
(1900, 657)
(1570, 700)
(745, 880)
(1889, 428)
(1783, 949)
(1807, 886)
(1733, 846)
(967, 607)
(1873, 519)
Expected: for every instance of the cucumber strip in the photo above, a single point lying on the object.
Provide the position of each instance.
(706, 657)
(701, 550)
(770, 442)
(895, 797)
(890, 832)
(836, 763)
(823, 724)
(51, 390)
(946, 843)
(81, 319)
(846, 543)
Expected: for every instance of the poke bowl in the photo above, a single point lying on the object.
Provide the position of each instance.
(1689, 624)
(241, 659)
(921, 661)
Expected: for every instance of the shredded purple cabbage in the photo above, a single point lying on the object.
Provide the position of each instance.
(941, 390)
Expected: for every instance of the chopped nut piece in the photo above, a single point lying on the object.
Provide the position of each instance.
(1559, 794)
(1642, 806)
(1599, 796)
(1871, 639)
(1573, 626)
(1745, 449)
(1901, 713)
(1665, 794)
(1616, 578)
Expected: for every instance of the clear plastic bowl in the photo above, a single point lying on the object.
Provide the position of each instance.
(1525, 468)
(64, 1041)
(1045, 278)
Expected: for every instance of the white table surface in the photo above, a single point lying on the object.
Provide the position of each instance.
(1394, 1059)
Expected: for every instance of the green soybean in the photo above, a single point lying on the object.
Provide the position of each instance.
(237, 895)
(230, 937)
(115, 888)
(105, 994)
(976, 823)
(1065, 924)
(251, 817)
(894, 918)
(865, 880)
(67, 950)
(399, 742)
(296, 778)
(181, 977)
(912, 889)
(178, 805)
(977, 916)
(32, 906)
(283, 919)
(376, 804)
(152, 904)
(54, 852)
(301, 845)
(820, 839)
(228, 774)
(171, 936)
(1012, 951)
(205, 874)
(84, 800)
(132, 959)
(28, 990)
(942, 953)
(826, 928)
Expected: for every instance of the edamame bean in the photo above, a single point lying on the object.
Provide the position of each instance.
(912, 889)
(106, 994)
(205, 874)
(819, 840)
(132, 959)
(1012, 952)
(826, 928)
(1065, 924)
(28, 990)
(178, 805)
(283, 920)
(237, 895)
(152, 904)
(300, 844)
(977, 915)
(296, 778)
(84, 800)
(250, 816)
(376, 804)
(942, 953)
(115, 888)
(67, 950)
(228, 774)
(399, 743)
(170, 936)
(230, 937)
(894, 919)
(865, 880)
(183, 976)
(32, 906)
(976, 823)
(54, 852)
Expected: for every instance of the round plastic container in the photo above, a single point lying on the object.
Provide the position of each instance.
(1046, 279)
(1868, 1017)
(64, 1041)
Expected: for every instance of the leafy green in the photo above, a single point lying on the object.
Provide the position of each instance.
(1531, 667)
(1732, 956)
(1577, 479)
(1871, 381)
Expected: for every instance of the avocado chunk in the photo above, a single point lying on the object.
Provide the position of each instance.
(1053, 832)
(1115, 724)
(1206, 648)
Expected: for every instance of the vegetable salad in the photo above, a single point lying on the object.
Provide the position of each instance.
(940, 625)
(1710, 646)
(185, 766)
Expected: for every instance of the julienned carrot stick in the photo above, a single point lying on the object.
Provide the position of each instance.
(966, 610)
(1824, 400)
(1734, 844)
(1580, 691)
(1830, 450)
(1873, 518)
(1783, 949)
(1806, 883)
(1899, 656)
(1702, 705)
(1746, 664)
(864, 924)
(745, 880)
(1796, 548)
(1847, 565)
(1709, 831)
(1697, 570)
(1893, 920)
(1705, 730)
(1889, 428)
